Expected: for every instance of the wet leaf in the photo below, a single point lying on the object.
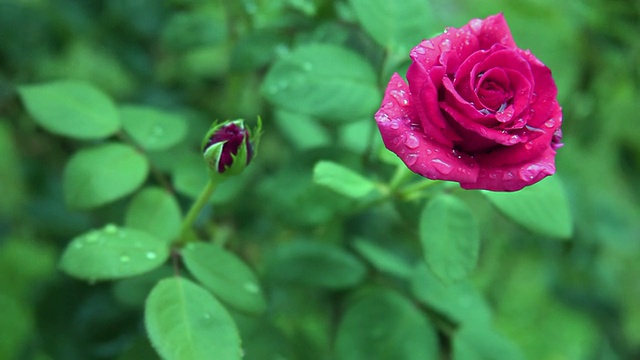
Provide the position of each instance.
(226, 276)
(152, 128)
(112, 253)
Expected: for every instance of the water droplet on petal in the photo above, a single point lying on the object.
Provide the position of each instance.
(412, 141)
(550, 123)
(442, 166)
(530, 172)
(411, 159)
(111, 229)
(395, 125)
(514, 139)
(445, 45)
(475, 25)
(428, 45)
(529, 145)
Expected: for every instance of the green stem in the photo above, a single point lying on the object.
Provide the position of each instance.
(195, 210)
(416, 187)
(400, 175)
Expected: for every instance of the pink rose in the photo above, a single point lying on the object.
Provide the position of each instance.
(477, 110)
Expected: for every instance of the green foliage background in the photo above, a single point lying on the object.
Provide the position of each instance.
(205, 60)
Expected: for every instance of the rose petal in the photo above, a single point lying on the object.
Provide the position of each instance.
(492, 30)
(514, 177)
(400, 135)
(425, 98)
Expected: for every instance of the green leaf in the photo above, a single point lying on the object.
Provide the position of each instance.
(324, 81)
(226, 276)
(461, 301)
(383, 259)
(99, 175)
(542, 208)
(151, 128)
(71, 108)
(396, 25)
(113, 253)
(156, 212)
(483, 343)
(341, 179)
(306, 134)
(17, 316)
(315, 264)
(450, 237)
(185, 322)
(10, 173)
(385, 325)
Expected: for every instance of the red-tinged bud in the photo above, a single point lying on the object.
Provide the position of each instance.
(228, 147)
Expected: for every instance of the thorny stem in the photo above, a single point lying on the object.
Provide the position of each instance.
(195, 210)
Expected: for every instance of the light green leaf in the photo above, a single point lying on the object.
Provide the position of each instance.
(450, 237)
(483, 343)
(461, 302)
(341, 179)
(396, 25)
(542, 208)
(324, 81)
(151, 128)
(226, 276)
(112, 253)
(385, 325)
(99, 175)
(71, 108)
(301, 130)
(383, 259)
(315, 264)
(156, 212)
(185, 322)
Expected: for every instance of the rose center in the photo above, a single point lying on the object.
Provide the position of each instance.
(494, 90)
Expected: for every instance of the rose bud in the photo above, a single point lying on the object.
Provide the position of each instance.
(228, 147)
(475, 109)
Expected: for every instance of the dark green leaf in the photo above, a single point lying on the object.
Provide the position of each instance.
(112, 253)
(102, 174)
(225, 275)
(341, 179)
(385, 325)
(325, 81)
(151, 128)
(315, 264)
(450, 237)
(156, 212)
(483, 343)
(185, 322)
(71, 108)
(461, 301)
(542, 208)
(383, 259)
(396, 25)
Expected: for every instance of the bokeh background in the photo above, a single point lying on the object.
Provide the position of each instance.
(575, 299)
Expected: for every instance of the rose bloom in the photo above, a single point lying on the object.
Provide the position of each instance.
(476, 109)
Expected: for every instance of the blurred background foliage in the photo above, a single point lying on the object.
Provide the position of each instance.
(206, 59)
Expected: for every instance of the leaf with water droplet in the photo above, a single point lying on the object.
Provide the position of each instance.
(184, 321)
(111, 253)
(450, 237)
(226, 276)
(153, 129)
